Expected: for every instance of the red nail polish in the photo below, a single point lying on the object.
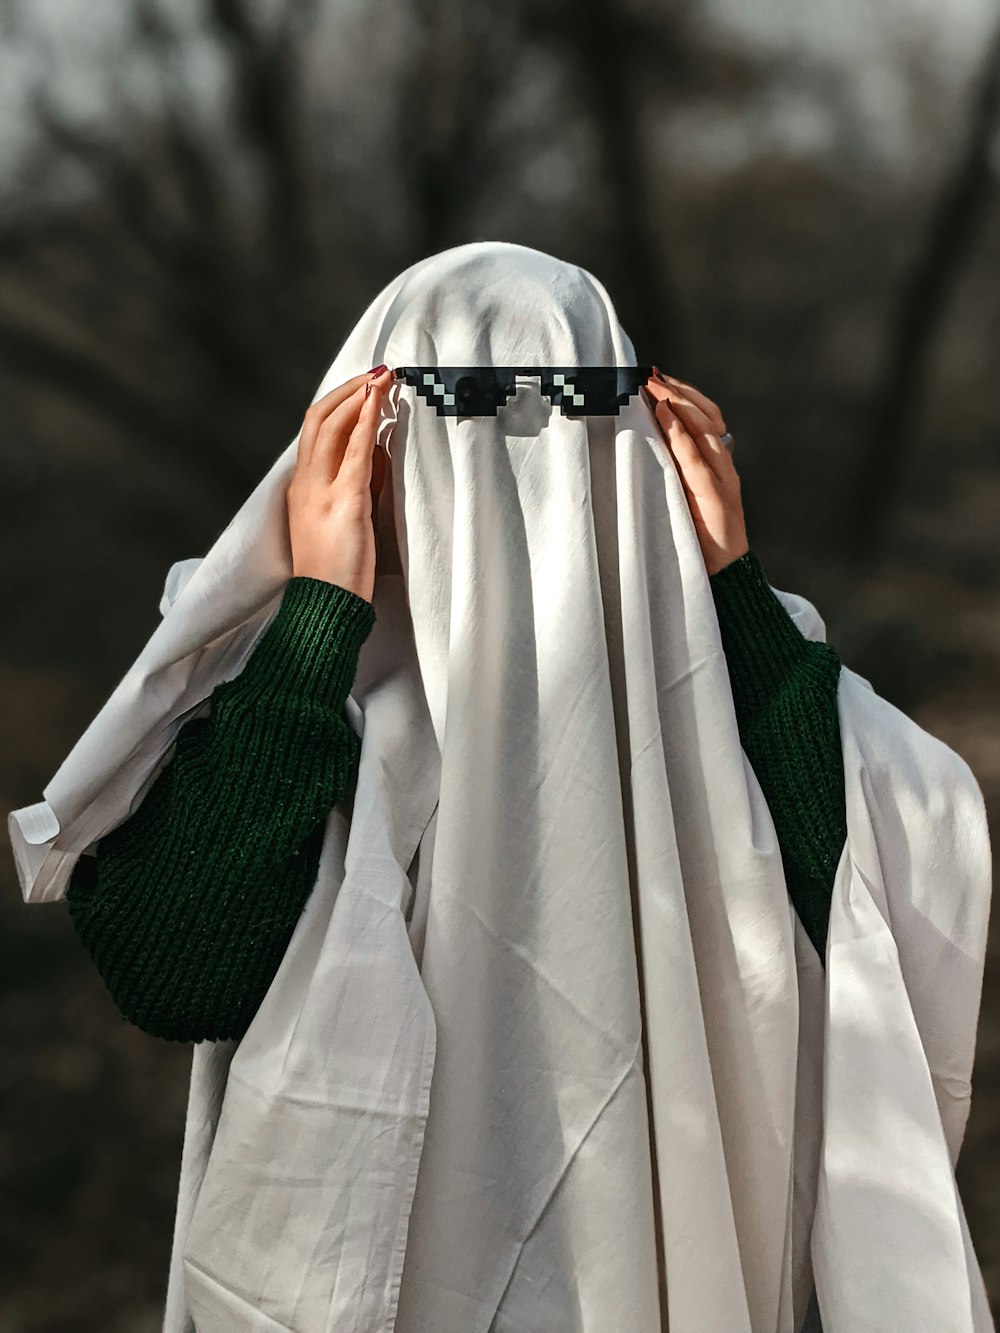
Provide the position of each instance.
(377, 370)
(368, 388)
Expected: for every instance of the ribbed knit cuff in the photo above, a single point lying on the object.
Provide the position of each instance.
(311, 646)
(762, 643)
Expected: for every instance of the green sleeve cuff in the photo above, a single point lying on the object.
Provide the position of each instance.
(310, 648)
(762, 643)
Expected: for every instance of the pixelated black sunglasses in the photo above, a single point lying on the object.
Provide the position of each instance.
(477, 391)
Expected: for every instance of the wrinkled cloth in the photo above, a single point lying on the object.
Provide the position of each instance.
(549, 1050)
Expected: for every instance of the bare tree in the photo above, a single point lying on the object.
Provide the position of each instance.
(918, 317)
(218, 235)
(168, 224)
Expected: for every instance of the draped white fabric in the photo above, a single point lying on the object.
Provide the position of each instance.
(549, 1049)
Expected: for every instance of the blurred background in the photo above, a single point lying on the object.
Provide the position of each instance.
(794, 207)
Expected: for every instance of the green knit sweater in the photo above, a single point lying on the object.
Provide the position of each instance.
(188, 905)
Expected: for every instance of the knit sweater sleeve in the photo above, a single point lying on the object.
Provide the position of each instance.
(189, 904)
(785, 693)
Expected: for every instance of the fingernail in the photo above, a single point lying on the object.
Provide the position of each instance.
(377, 370)
(368, 388)
(659, 374)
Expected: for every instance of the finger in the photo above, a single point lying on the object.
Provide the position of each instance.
(689, 495)
(701, 430)
(355, 472)
(699, 427)
(320, 410)
(689, 458)
(335, 432)
(711, 410)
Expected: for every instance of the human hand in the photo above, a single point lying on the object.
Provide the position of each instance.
(691, 425)
(333, 491)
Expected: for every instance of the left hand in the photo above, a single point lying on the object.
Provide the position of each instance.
(691, 425)
(330, 494)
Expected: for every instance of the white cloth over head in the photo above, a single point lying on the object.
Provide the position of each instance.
(549, 1049)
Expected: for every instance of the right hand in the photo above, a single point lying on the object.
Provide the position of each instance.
(332, 492)
(692, 424)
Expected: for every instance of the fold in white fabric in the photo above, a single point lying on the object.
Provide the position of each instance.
(549, 1049)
